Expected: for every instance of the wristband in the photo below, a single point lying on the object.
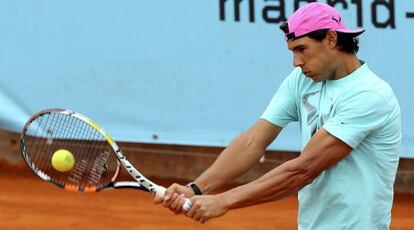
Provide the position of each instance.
(195, 188)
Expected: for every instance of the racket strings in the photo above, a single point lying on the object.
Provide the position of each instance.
(53, 131)
(75, 127)
(42, 131)
(101, 153)
(50, 134)
(90, 148)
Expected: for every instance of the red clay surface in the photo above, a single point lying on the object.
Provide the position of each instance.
(26, 202)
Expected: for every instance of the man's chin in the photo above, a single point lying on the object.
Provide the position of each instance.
(313, 77)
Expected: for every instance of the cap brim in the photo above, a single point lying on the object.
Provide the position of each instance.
(354, 33)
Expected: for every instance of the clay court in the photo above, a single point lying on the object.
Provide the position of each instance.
(27, 202)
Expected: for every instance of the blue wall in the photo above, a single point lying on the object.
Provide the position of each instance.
(179, 69)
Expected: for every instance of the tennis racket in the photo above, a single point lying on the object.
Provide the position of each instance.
(98, 159)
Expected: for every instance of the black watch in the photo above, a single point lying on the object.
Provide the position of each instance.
(196, 189)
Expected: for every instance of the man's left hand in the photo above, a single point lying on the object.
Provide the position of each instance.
(206, 207)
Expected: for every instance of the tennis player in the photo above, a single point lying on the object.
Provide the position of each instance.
(351, 134)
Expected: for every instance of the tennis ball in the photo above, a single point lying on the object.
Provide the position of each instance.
(63, 160)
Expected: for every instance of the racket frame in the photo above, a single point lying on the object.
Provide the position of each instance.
(142, 183)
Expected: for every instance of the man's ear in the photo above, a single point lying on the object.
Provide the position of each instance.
(331, 38)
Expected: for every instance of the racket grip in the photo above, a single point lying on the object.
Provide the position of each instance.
(160, 192)
(187, 204)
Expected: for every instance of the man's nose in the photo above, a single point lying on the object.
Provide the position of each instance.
(297, 61)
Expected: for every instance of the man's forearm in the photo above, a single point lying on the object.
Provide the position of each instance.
(322, 152)
(235, 160)
(239, 156)
(282, 181)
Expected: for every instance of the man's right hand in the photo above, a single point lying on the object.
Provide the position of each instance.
(175, 197)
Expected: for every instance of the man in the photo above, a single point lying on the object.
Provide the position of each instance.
(350, 124)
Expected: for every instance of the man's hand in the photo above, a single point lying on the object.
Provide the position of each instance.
(206, 207)
(175, 197)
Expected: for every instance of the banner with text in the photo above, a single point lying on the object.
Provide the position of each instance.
(180, 72)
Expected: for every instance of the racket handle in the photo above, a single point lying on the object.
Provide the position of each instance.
(160, 192)
(187, 204)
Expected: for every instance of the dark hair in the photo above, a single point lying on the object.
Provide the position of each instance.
(345, 42)
(284, 27)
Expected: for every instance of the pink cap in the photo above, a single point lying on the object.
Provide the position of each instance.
(316, 16)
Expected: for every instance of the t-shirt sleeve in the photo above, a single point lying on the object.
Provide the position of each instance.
(282, 109)
(357, 116)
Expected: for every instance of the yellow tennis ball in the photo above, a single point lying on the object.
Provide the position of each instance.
(63, 160)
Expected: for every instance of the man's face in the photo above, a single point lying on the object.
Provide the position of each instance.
(313, 57)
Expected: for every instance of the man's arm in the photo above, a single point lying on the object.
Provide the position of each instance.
(236, 159)
(322, 152)
(239, 156)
